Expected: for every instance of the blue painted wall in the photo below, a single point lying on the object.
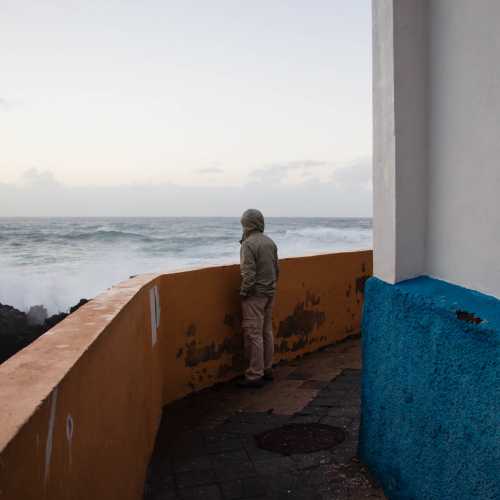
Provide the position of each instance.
(430, 425)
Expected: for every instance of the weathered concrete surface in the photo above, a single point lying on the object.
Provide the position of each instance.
(80, 407)
(319, 301)
(431, 394)
(206, 447)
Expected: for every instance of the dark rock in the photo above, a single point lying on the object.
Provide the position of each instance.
(81, 303)
(18, 329)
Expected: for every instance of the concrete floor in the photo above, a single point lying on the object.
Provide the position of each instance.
(206, 447)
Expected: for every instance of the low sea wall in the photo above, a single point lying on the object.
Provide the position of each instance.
(80, 407)
(430, 425)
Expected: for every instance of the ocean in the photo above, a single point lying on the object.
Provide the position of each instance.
(57, 261)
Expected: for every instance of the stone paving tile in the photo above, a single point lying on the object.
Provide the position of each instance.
(306, 461)
(250, 487)
(181, 464)
(161, 488)
(305, 419)
(215, 456)
(195, 477)
(313, 384)
(275, 466)
(343, 421)
(211, 492)
(218, 445)
(230, 457)
(255, 453)
(231, 472)
(290, 486)
(300, 375)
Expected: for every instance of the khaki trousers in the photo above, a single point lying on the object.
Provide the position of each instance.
(257, 313)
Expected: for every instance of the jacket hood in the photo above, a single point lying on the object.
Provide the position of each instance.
(252, 220)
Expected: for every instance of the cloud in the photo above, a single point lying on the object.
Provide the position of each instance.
(36, 178)
(39, 194)
(356, 174)
(210, 171)
(282, 172)
(5, 104)
(345, 192)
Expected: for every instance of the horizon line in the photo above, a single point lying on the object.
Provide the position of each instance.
(181, 216)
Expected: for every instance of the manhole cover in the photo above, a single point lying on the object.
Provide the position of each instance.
(300, 438)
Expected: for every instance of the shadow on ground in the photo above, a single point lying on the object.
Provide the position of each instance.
(206, 447)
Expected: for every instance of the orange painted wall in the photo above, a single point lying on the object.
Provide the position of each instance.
(79, 408)
(319, 301)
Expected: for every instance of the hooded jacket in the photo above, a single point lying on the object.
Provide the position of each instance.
(258, 257)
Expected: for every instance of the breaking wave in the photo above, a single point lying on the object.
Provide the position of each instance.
(55, 262)
(330, 234)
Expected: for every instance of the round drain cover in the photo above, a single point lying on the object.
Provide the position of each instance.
(300, 438)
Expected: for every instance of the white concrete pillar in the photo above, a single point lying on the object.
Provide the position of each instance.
(399, 137)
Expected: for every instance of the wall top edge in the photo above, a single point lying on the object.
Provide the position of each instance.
(29, 377)
(473, 308)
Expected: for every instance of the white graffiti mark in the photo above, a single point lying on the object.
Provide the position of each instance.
(157, 306)
(154, 309)
(70, 427)
(50, 432)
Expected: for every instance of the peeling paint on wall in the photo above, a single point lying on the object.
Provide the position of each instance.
(196, 353)
(360, 284)
(312, 299)
(191, 331)
(302, 322)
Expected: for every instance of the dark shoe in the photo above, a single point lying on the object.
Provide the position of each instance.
(268, 375)
(250, 384)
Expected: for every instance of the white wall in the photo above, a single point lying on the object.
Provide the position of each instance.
(384, 143)
(436, 93)
(399, 138)
(463, 237)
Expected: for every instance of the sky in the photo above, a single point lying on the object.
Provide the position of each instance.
(185, 107)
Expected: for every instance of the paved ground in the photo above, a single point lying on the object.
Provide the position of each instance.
(206, 447)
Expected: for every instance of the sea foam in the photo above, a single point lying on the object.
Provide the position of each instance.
(56, 262)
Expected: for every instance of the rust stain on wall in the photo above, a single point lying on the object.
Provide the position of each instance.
(196, 354)
(282, 346)
(360, 284)
(224, 370)
(301, 323)
(191, 331)
(233, 321)
(312, 299)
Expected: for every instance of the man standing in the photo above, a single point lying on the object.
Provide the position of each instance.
(259, 274)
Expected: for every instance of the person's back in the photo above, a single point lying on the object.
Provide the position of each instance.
(259, 274)
(259, 264)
